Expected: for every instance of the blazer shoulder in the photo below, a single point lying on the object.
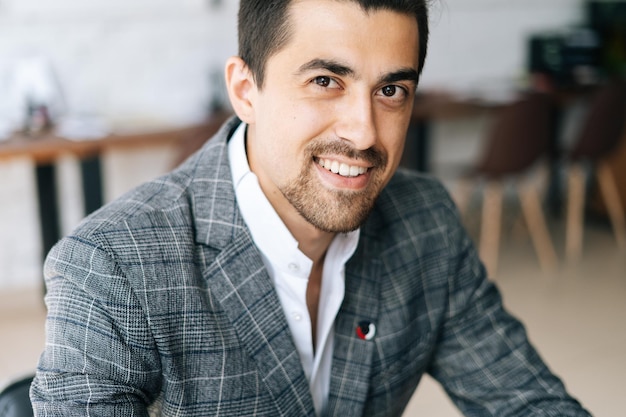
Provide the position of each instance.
(167, 193)
(415, 206)
(414, 192)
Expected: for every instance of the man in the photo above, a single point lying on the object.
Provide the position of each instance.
(286, 269)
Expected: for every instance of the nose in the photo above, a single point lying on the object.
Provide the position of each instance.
(357, 123)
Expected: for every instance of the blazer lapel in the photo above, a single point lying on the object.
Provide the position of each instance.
(352, 359)
(239, 280)
(237, 277)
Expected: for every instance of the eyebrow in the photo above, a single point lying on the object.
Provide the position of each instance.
(404, 74)
(326, 64)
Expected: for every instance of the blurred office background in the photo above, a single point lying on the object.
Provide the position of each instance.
(133, 68)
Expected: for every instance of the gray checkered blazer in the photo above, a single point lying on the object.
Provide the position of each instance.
(160, 301)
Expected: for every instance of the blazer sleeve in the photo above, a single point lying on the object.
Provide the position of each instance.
(484, 359)
(99, 358)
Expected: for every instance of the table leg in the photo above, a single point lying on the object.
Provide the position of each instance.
(47, 195)
(423, 146)
(554, 192)
(48, 206)
(416, 150)
(92, 184)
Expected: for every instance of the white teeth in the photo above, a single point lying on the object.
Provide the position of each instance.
(342, 169)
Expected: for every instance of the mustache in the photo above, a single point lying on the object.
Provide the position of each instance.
(373, 156)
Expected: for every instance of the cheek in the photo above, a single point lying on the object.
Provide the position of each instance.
(291, 128)
(308, 119)
(290, 119)
(280, 151)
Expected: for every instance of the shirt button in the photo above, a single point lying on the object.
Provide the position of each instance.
(296, 316)
(293, 267)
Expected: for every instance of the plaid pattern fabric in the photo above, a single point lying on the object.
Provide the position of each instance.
(160, 303)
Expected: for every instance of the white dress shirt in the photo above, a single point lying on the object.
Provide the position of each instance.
(289, 269)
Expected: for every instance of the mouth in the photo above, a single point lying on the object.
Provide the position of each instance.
(341, 168)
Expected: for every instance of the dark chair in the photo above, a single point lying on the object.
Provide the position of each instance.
(14, 399)
(520, 137)
(600, 134)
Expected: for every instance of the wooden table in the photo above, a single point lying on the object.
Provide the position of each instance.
(48, 147)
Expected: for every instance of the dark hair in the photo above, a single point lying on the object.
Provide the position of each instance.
(264, 28)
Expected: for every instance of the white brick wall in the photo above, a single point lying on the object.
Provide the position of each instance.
(149, 62)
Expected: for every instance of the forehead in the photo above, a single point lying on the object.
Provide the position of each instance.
(343, 29)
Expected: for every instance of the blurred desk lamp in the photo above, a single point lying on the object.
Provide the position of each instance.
(36, 94)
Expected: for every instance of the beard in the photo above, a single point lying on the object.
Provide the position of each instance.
(330, 210)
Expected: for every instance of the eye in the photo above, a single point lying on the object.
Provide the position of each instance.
(389, 90)
(393, 93)
(322, 81)
(325, 81)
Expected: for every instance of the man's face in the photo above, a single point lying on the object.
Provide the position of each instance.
(330, 121)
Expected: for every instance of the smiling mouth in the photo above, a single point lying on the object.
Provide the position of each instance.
(341, 168)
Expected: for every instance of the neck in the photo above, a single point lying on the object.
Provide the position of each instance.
(311, 241)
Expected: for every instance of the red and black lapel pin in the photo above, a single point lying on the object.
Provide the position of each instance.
(366, 330)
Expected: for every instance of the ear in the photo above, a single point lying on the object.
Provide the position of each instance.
(241, 88)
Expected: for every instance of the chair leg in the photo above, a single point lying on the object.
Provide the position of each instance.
(463, 194)
(490, 227)
(536, 222)
(575, 209)
(613, 203)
